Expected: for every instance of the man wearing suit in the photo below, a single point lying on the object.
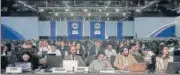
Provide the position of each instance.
(96, 49)
(63, 48)
(73, 56)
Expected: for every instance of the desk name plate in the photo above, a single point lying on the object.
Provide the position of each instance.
(107, 70)
(59, 70)
(13, 69)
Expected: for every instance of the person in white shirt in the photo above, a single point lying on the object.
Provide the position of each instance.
(27, 44)
(110, 51)
(43, 47)
(163, 60)
(54, 50)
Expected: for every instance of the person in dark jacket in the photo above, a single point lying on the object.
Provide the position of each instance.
(27, 47)
(27, 57)
(63, 48)
(96, 49)
(4, 62)
(80, 51)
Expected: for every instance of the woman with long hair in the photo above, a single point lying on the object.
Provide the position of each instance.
(80, 50)
(43, 47)
(163, 60)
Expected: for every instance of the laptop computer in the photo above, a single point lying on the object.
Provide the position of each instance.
(54, 61)
(44, 53)
(26, 66)
(176, 58)
(173, 68)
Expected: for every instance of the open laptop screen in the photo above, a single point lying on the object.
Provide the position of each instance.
(26, 66)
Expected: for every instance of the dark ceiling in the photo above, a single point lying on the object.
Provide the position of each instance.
(90, 9)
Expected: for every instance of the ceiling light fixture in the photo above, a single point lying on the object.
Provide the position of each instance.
(84, 18)
(89, 14)
(56, 14)
(124, 14)
(138, 10)
(41, 10)
(85, 10)
(66, 10)
(107, 14)
(117, 10)
(72, 14)
(100, 10)
(108, 18)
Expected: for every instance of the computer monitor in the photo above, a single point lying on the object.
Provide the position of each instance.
(70, 65)
(54, 61)
(26, 66)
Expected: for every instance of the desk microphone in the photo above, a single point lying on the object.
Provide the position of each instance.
(73, 59)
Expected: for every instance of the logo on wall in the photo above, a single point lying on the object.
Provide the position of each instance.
(74, 28)
(97, 28)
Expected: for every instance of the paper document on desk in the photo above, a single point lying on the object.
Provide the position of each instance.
(70, 65)
(107, 70)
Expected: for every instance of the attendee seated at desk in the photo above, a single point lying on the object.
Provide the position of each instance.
(163, 60)
(27, 47)
(149, 59)
(73, 56)
(147, 55)
(80, 50)
(136, 53)
(124, 61)
(27, 44)
(110, 51)
(93, 51)
(43, 47)
(27, 57)
(100, 63)
(54, 50)
(120, 48)
(96, 49)
(63, 48)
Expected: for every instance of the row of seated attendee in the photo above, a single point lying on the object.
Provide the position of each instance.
(130, 56)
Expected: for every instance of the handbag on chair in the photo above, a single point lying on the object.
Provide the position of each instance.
(140, 67)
